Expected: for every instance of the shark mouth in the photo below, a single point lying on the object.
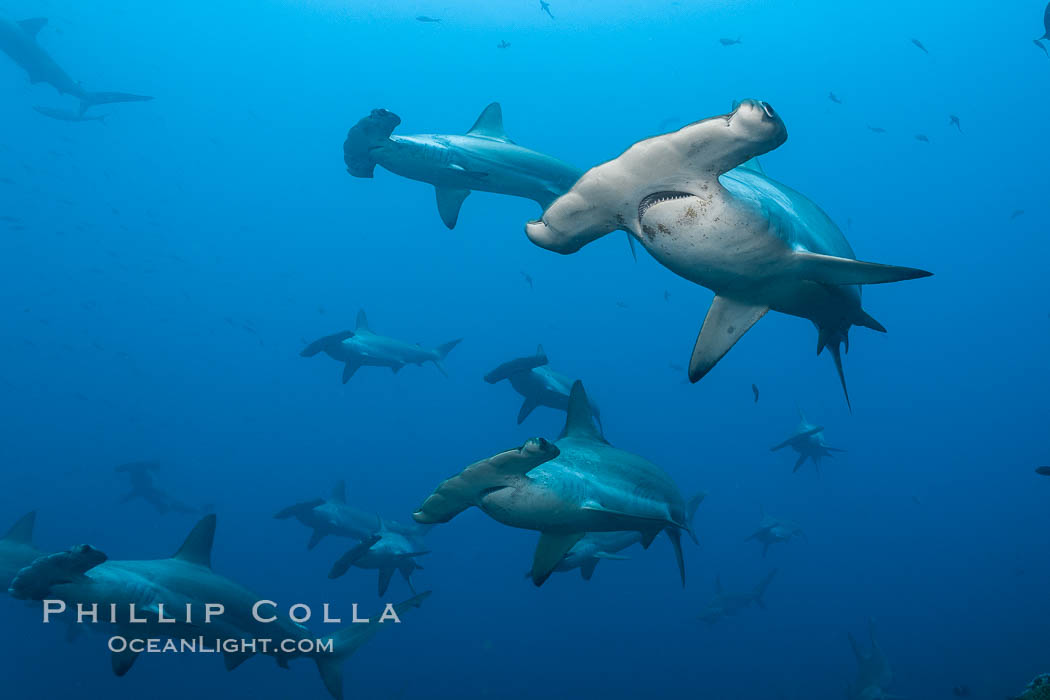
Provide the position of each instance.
(656, 198)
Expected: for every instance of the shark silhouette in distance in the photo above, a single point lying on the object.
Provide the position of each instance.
(140, 474)
(808, 442)
(728, 603)
(19, 41)
(362, 347)
(154, 589)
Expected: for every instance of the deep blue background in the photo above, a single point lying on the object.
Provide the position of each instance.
(145, 245)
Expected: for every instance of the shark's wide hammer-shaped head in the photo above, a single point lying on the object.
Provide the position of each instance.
(613, 195)
(370, 132)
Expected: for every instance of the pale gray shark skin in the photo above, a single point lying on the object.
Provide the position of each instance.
(538, 384)
(17, 550)
(728, 603)
(773, 530)
(697, 204)
(808, 442)
(566, 489)
(19, 41)
(362, 347)
(333, 516)
(386, 551)
(874, 674)
(83, 575)
(484, 159)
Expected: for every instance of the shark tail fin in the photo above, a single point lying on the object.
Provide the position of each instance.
(675, 535)
(298, 509)
(760, 589)
(349, 639)
(442, 351)
(22, 531)
(371, 132)
(326, 343)
(833, 342)
(90, 99)
(691, 507)
(456, 494)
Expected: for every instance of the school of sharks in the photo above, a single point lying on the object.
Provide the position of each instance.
(700, 198)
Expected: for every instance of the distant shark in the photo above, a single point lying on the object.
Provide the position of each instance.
(726, 603)
(774, 531)
(874, 674)
(142, 486)
(808, 441)
(363, 348)
(387, 550)
(332, 516)
(537, 383)
(483, 159)
(17, 550)
(66, 115)
(566, 489)
(83, 575)
(700, 204)
(18, 40)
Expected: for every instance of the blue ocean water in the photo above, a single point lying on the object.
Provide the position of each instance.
(161, 272)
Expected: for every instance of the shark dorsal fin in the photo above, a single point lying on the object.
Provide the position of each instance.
(338, 494)
(362, 321)
(579, 421)
(22, 531)
(490, 124)
(33, 26)
(540, 354)
(197, 547)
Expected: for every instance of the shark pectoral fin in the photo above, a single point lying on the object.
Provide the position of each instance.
(587, 568)
(343, 564)
(828, 269)
(122, 661)
(648, 537)
(33, 26)
(233, 659)
(466, 489)
(315, 537)
(551, 549)
(527, 406)
(449, 201)
(675, 535)
(384, 580)
(726, 322)
(348, 370)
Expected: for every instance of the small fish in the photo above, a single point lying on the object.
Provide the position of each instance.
(730, 42)
(675, 367)
(546, 7)
(1016, 213)
(834, 98)
(954, 121)
(922, 137)
(754, 388)
(622, 304)
(320, 310)
(424, 18)
(919, 45)
(528, 278)
(1040, 45)
(667, 295)
(961, 691)
(1045, 471)
(876, 129)
(503, 44)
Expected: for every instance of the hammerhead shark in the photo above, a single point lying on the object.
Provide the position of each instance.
(180, 588)
(728, 603)
(774, 530)
(362, 347)
(808, 441)
(874, 674)
(388, 549)
(18, 40)
(141, 476)
(538, 384)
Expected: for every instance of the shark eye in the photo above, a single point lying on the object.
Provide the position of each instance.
(768, 110)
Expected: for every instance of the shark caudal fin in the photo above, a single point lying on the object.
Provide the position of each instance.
(726, 322)
(349, 639)
(326, 344)
(90, 99)
(517, 366)
(22, 531)
(760, 589)
(675, 535)
(442, 352)
(369, 133)
(455, 495)
(833, 342)
(691, 507)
